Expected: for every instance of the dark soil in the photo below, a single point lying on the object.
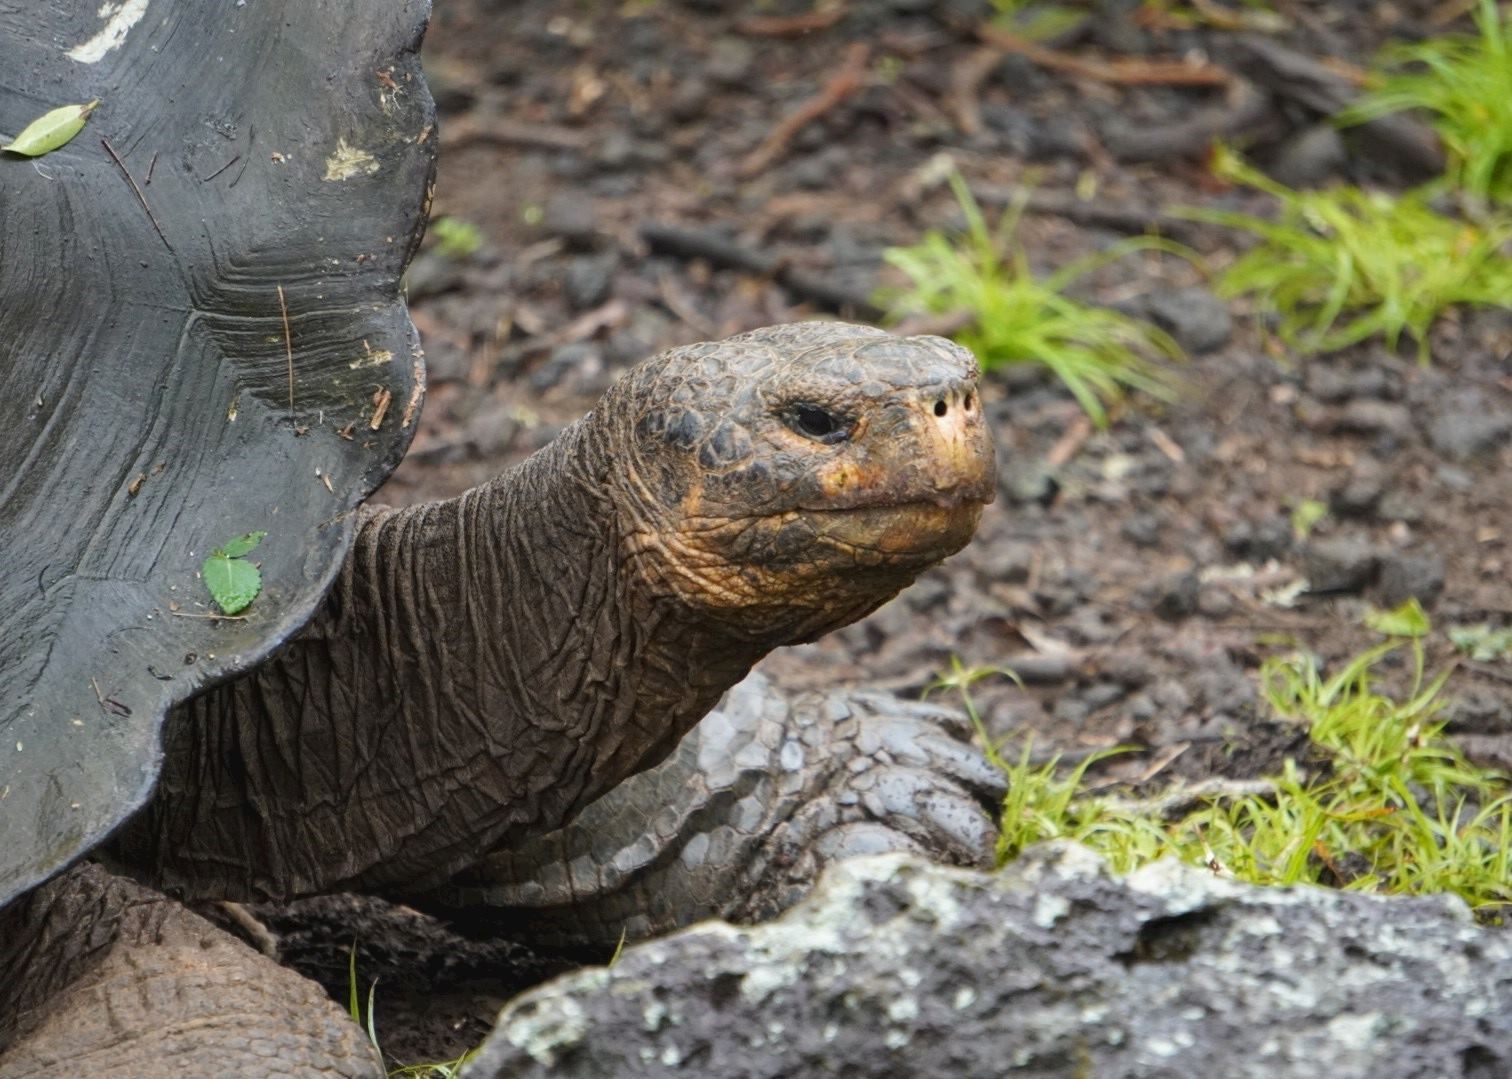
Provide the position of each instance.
(1134, 576)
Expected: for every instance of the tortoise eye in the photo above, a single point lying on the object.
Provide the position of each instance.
(811, 421)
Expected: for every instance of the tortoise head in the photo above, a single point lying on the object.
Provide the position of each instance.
(789, 480)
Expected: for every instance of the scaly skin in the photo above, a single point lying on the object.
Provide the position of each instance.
(153, 990)
(741, 819)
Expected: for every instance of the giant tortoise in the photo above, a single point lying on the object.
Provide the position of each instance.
(204, 336)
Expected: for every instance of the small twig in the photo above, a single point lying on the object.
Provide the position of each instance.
(151, 168)
(109, 149)
(217, 617)
(250, 924)
(512, 133)
(845, 82)
(946, 325)
(1070, 443)
(821, 18)
(381, 401)
(288, 347)
(1123, 72)
(218, 171)
(966, 80)
(251, 138)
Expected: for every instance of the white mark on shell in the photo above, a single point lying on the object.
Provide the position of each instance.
(119, 19)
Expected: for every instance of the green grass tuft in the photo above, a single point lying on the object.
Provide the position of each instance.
(455, 238)
(1018, 318)
(1465, 83)
(1384, 803)
(1337, 267)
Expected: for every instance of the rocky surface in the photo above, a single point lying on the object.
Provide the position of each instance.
(1053, 966)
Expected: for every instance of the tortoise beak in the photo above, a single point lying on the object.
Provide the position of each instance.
(956, 445)
(918, 491)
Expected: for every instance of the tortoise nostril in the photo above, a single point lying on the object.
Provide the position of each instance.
(940, 407)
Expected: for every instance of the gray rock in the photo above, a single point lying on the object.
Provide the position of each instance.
(1411, 576)
(1053, 966)
(1176, 597)
(1198, 320)
(1339, 565)
(1358, 495)
(1026, 480)
(1364, 416)
(1009, 562)
(571, 217)
(1399, 506)
(1259, 541)
(1142, 529)
(1469, 427)
(1309, 157)
(432, 274)
(730, 62)
(588, 279)
(617, 151)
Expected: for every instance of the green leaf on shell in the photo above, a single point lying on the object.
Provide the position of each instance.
(51, 130)
(241, 545)
(233, 581)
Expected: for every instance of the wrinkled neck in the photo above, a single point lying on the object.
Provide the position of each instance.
(484, 667)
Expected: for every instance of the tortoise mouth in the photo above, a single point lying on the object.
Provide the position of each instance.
(918, 532)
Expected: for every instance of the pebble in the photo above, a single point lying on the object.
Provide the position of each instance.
(1396, 506)
(1198, 320)
(588, 280)
(1309, 157)
(1405, 576)
(1142, 529)
(730, 62)
(1009, 562)
(1177, 596)
(1367, 417)
(617, 151)
(1060, 136)
(1359, 494)
(1259, 541)
(571, 217)
(1470, 428)
(1026, 481)
(689, 99)
(432, 274)
(577, 367)
(1343, 564)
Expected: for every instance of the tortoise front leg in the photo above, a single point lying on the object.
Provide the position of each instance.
(739, 821)
(104, 977)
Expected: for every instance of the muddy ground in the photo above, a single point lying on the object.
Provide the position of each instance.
(1136, 576)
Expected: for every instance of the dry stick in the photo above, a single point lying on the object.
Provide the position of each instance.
(965, 87)
(821, 18)
(1122, 72)
(288, 347)
(218, 171)
(846, 82)
(151, 168)
(512, 133)
(109, 149)
(250, 924)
